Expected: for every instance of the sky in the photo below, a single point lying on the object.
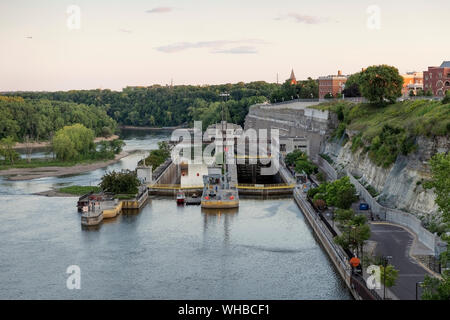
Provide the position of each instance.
(141, 43)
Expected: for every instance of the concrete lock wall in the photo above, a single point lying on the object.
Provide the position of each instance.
(327, 168)
(293, 120)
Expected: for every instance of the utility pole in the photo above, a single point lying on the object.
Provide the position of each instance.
(225, 96)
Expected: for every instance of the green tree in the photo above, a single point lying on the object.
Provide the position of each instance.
(352, 86)
(388, 276)
(435, 289)
(123, 182)
(344, 215)
(381, 84)
(7, 150)
(440, 170)
(446, 98)
(73, 142)
(341, 193)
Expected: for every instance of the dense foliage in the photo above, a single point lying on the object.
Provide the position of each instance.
(123, 182)
(388, 132)
(39, 119)
(355, 230)
(301, 162)
(440, 169)
(76, 142)
(7, 152)
(72, 142)
(157, 156)
(306, 89)
(339, 193)
(381, 84)
(159, 106)
(352, 86)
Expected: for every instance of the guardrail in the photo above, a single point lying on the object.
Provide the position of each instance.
(173, 186)
(265, 186)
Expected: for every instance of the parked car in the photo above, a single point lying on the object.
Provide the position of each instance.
(363, 206)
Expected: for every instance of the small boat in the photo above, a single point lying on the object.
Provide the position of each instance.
(181, 198)
(193, 200)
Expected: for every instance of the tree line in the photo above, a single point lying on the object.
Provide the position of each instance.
(161, 106)
(38, 119)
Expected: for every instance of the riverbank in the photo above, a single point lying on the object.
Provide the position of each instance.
(19, 174)
(151, 128)
(45, 144)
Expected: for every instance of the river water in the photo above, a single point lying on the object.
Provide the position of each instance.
(265, 250)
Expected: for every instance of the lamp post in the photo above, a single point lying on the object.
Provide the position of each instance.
(385, 262)
(417, 289)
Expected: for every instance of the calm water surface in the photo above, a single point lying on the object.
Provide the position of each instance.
(264, 250)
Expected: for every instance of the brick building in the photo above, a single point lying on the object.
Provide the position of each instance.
(333, 84)
(412, 81)
(437, 79)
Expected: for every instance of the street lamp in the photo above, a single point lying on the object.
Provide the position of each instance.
(385, 262)
(417, 289)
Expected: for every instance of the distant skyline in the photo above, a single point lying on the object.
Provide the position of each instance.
(141, 43)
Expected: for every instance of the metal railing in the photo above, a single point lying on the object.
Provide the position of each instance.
(265, 186)
(174, 186)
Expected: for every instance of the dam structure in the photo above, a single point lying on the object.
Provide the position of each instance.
(300, 127)
(244, 167)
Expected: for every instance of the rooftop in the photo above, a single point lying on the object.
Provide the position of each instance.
(445, 64)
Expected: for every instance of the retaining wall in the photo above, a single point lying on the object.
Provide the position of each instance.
(392, 215)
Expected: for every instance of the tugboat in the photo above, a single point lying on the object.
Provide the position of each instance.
(181, 198)
(218, 193)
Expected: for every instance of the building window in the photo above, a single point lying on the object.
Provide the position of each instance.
(447, 83)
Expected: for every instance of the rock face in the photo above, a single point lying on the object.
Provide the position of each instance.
(400, 185)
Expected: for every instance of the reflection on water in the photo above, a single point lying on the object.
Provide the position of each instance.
(164, 252)
(262, 250)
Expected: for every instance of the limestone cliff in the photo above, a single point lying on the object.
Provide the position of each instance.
(401, 185)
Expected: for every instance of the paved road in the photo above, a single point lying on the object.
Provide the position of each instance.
(396, 242)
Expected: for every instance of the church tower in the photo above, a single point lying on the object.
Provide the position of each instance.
(292, 79)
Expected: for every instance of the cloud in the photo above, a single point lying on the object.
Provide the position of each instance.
(217, 46)
(303, 18)
(125, 31)
(239, 50)
(160, 10)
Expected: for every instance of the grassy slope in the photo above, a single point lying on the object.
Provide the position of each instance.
(420, 117)
(413, 118)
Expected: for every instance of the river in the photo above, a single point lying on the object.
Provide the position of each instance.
(265, 250)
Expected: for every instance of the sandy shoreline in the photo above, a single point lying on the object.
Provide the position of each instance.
(44, 144)
(18, 174)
